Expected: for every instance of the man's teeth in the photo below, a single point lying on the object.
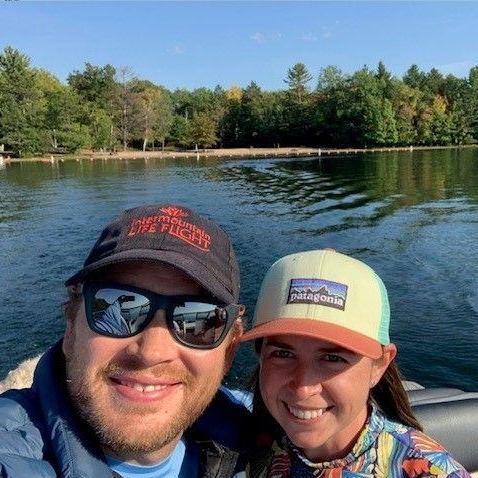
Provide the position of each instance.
(143, 388)
(306, 414)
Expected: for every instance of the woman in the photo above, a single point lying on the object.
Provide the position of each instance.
(329, 394)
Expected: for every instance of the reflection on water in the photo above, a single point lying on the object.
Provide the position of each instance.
(413, 217)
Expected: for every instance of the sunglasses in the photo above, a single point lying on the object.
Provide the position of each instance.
(120, 311)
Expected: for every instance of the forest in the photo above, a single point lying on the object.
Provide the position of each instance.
(108, 108)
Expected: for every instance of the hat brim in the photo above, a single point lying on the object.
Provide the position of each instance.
(317, 329)
(194, 269)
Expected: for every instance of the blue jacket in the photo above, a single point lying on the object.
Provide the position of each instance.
(41, 437)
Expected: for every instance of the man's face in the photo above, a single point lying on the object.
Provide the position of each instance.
(140, 393)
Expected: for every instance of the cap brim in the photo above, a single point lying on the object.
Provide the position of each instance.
(194, 269)
(316, 329)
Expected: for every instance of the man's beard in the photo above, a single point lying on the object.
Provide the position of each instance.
(123, 438)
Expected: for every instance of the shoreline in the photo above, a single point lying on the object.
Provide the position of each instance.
(225, 153)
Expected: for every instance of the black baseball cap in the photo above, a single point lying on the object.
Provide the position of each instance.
(170, 234)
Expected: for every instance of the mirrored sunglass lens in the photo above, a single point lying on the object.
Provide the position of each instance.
(119, 312)
(198, 323)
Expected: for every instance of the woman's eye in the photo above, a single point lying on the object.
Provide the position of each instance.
(279, 353)
(334, 358)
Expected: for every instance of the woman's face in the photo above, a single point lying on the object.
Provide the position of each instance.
(318, 392)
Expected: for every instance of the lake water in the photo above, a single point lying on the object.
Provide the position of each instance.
(411, 216)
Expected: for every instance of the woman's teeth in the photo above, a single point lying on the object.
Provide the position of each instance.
(306, 414)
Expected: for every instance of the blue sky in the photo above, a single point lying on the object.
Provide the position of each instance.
(193, 44)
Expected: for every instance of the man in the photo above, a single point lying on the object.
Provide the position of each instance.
(124, 399)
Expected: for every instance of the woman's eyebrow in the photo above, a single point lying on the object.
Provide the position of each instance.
(325, 348)
(333, 348)
(278, 344)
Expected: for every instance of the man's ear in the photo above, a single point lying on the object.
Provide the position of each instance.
(381, 364)
(69, 337)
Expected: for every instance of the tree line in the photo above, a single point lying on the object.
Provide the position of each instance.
(107, 108)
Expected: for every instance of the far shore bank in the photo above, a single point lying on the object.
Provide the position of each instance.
(224, 153)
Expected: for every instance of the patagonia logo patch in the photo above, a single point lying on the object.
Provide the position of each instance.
(317, 291)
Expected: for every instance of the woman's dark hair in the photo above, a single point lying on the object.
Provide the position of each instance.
(392, 399)
(389, 396)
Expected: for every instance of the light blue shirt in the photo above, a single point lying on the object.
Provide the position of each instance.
(168, 468)
(112, 321)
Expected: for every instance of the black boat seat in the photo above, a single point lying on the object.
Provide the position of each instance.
(450, 416)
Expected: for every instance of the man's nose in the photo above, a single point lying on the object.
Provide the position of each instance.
(154, 344)
(305, 381)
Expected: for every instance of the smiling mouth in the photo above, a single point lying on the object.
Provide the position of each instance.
(309, 414)
(140, 387)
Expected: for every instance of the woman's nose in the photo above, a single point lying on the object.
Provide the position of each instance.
(305, 380)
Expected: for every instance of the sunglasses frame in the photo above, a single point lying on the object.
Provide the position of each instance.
(158, 302)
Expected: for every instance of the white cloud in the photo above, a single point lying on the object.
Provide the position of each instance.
(258, 37)
(308, 37)
(326, 32)
(176, 50)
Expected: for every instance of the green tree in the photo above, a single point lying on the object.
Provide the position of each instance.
(153, 112)
(203, 130)
(147, 104)
(473, 101)
(251, 116)
(182, 103)
(101, 94)
(231, 120)
(22, 106)
(181, 131)
(371, 113)
(62, 116)
(440, 122)
(414, 77)
(128, 110)
(330, 78)
(405, 101)
(332, 115)
(385, 81)
(382, 72)
(102, 129)
(75, 137)
(297, 80)
(297, 105)
(96, 84)
(164, 118)
(460, 126)
(434, 82)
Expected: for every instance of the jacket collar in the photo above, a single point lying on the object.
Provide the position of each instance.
(77, 455)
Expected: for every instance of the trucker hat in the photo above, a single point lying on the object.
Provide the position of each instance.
(170, 234)
(326, 295)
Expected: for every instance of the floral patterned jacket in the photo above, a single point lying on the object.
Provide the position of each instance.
(384, 449)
